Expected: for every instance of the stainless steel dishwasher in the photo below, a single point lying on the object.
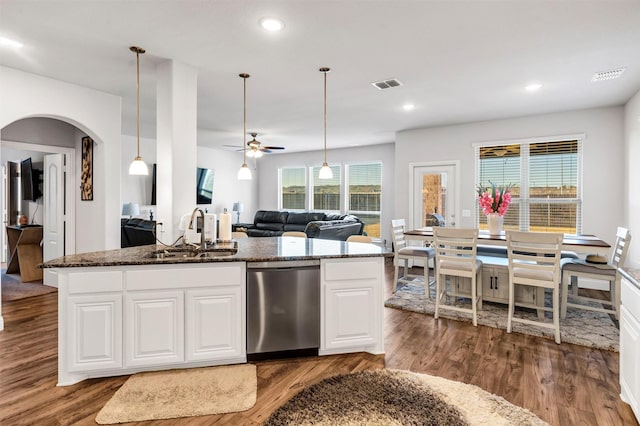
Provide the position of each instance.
(283, 309)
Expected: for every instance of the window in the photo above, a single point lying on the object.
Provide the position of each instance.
(546, 184)
(293, 188)
(326, 192)
(364, 187)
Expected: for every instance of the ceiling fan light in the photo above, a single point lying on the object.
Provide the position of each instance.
(138, 167)
(257, 153)
(244, 173)
(325, 172)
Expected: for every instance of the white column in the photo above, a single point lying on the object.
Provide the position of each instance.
(176, 116)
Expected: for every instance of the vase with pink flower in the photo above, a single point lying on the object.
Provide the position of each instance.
(494, 202)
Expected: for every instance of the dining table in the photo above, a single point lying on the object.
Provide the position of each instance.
(581, 244)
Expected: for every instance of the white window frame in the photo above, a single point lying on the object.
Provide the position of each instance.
(524, 201)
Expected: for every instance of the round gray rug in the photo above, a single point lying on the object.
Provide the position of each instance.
(393, 397)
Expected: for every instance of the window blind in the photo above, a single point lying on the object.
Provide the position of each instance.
(293, 188)
(364, 189)
(326, 192)
(546, 183)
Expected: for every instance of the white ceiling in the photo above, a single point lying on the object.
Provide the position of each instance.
(460, 61)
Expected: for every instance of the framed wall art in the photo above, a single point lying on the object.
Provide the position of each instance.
(86, 177)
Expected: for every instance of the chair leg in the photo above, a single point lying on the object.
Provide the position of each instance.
(479, 281)
(556, 318)
(395, 275)
(511, 307)
(435, 315)
(564, 285)
(426, 280)
(474, 301)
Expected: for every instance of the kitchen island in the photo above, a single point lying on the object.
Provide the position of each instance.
(145, 308)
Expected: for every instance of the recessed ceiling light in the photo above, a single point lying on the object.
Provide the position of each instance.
(272, 24)
(607, 75)
(7, 42)
(533, 87)
(408, 107)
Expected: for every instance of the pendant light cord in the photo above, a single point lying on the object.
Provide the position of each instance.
(138, 98)
(244, 121)
(325, 116)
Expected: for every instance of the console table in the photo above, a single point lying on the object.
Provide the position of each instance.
(25, 252)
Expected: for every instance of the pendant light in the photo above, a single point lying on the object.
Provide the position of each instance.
(244, 173)
(138, 167)
(325, 170)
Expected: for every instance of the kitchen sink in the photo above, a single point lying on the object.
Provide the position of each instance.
(191, 252)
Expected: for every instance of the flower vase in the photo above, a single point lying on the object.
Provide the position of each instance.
(494, 220)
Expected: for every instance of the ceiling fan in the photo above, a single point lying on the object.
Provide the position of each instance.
(256, 149)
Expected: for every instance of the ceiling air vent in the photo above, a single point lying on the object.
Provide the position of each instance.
(607, 75)
(387, 84)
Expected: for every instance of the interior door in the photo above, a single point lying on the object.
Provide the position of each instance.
(434, 191)
(54, 213)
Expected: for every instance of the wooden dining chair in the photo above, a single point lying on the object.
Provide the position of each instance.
(360, 239)
(534, 260)
(456, 258)
(405, 253)
(574, 269)
(298, 234)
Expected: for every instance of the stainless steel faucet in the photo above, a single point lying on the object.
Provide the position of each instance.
(203, 244)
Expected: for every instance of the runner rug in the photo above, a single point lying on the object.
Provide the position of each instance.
(393, 397)
(182, 393)
(581, 327)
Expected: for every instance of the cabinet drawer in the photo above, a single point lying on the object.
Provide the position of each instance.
(182, 277)
(94, 282)
(630, 295)
(350, 270)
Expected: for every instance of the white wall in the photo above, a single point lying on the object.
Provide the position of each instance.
(632, 160)
(268, 175)
(94, 113)
(603, 156)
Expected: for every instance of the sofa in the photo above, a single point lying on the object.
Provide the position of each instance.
(330, 226)
(137, 232)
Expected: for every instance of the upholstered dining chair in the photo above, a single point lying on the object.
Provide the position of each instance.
(299, 234)
(534, 260)
(456, 250)
(607, 272)
(405, 253)
(360, 239)
(239, 234)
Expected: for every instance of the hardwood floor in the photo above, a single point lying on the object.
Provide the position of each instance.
(563, 384)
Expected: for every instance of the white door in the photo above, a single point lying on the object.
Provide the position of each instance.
(435, 190)
(54, 214)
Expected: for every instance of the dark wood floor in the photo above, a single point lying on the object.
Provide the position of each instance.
(563, 384)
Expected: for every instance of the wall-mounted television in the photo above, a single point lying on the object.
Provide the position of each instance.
(204, 186)
(30, 181)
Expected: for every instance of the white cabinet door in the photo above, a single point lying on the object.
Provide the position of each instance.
(351, 315)
(350, 322)
(215, 324)
(95, 332)
(154, 324)
(629, 355)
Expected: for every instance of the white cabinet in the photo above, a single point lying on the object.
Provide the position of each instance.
(90, 318)
(154, 327)
(214, 324)
(351, 298)
(630, 346)
(95, 334)
(124, 319)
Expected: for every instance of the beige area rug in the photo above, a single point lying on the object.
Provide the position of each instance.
(581, 327)
(182, 393)
(14, 289)
(394, 397)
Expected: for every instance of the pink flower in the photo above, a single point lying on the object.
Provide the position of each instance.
(500, 201)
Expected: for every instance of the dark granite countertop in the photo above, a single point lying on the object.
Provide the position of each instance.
(261, 249)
